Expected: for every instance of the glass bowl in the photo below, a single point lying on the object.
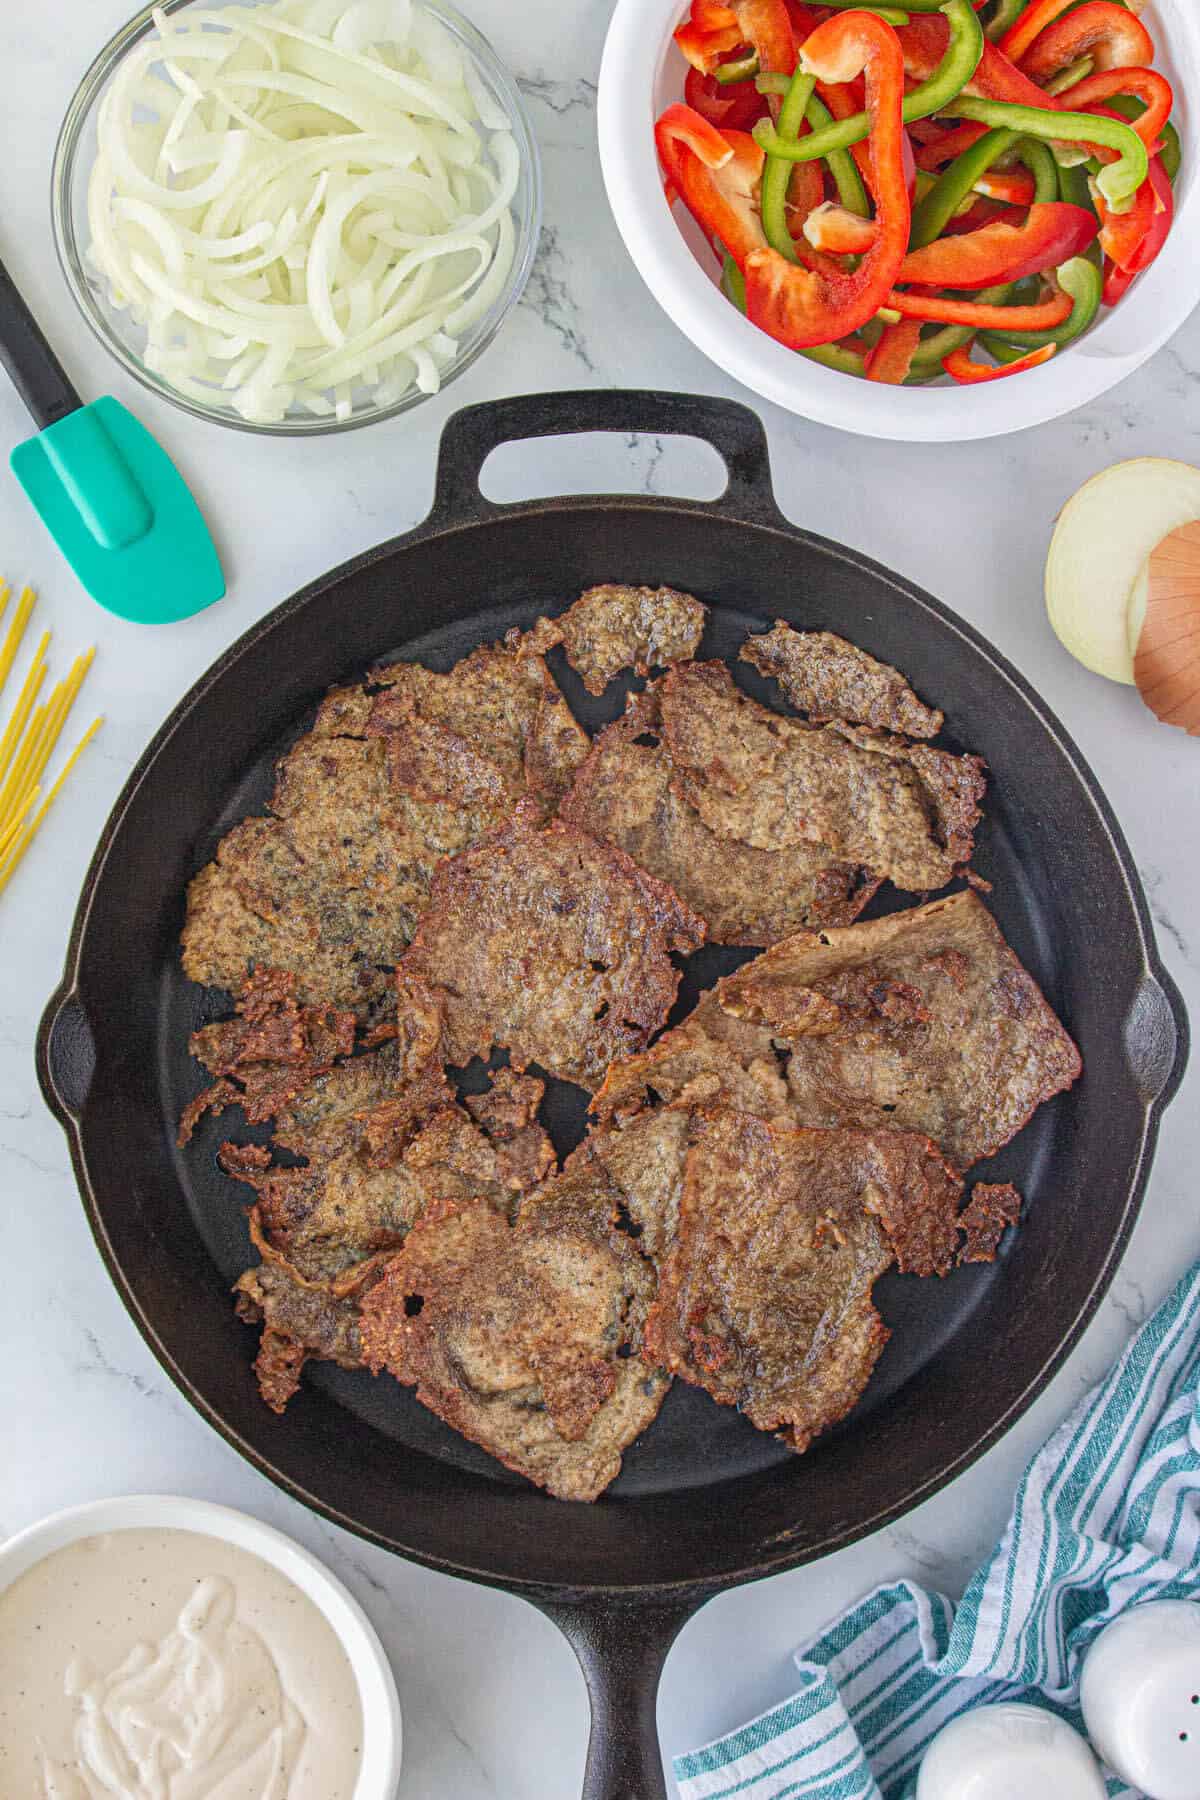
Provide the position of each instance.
(126, 339)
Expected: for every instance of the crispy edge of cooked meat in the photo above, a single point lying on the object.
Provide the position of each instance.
(992, 1209)
(615, 626)
(830, 678)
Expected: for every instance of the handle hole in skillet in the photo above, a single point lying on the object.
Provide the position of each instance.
(603, 462)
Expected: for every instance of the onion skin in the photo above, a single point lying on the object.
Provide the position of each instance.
(1167, 663)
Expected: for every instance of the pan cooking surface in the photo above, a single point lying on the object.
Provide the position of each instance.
(694, 1442)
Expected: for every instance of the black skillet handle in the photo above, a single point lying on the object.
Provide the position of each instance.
(735, 433)
(1157, 1038)
(66, 1056)
(622, 1647)
(33, 368)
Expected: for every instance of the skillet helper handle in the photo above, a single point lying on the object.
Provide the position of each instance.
(66, 1056)
(32, 366)
(733, 431)
(621, 1649)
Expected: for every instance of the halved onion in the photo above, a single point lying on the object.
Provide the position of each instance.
(305, 202)
(1097, 568)
(1167, 660)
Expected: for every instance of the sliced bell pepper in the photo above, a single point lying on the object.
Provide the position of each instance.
(933, 350)
(1050, 234)
(1127, 107)
(717, 175)
(1119, 181)
(735, 108)
(1056, 309)
(968, 373)
(845, 358)
(891, 359)
(963, 48)
(1117, 283)
(1004, 18)
(948, 143)
(1121, 234)
(954, 184)
(1083, 282)
(712, 30)
(785, 185)
(1146, 85)
(1101, 29)
(803, 307)
(993, 78)
(1034, 18)
(839, 232)
(1160, 230)
(1014, 186)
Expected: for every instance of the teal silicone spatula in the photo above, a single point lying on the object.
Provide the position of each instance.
(110, 497)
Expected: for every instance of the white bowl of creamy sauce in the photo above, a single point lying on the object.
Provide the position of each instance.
(155, 1648)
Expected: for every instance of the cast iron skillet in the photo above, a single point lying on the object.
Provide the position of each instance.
(704, 1501)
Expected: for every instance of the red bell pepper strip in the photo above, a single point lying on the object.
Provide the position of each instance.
(1121, 234)
(801, 307)
(733, 107)
(1147, 85)
(1051, 234)
(1034, 20)
(968, 373)
(891, 359)
(995, 78)
(1014, 186)
(717, 175)
(1117, 283)
(1164, 218)
(838, 232)
(948, 145)
(1044, 315)
(1101, 29)
(713, 29)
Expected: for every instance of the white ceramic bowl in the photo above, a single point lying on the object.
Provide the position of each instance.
(380, 1769)
(642, 72)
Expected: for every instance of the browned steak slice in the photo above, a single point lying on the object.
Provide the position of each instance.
(991, 1210)
(922, 1021)
(302, 1320)
(931, 1024)
(259, 902)
(904, 810)
(526, 1339)
(502, 703)
(828, 678)
(614, 627)
(626, 793)
(550, 944)
(765, 1297)
(643, 1158)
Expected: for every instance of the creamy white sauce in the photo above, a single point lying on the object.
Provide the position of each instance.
(165, 1665)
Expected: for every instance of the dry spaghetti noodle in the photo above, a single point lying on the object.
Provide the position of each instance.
(28, 741)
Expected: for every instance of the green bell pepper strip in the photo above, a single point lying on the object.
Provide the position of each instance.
(1076, 71)
(928, 359)
(1118, 181)
(849, 183)
(891, 15)
(1130, 107)
(733, 284)
(830, 356)
(1042, 166)
(1085, 284)
(1074, 186)
(1003, 353)
(777, 173)
(932, 214)
(744, 69)
(1005, 16)
(951, 76)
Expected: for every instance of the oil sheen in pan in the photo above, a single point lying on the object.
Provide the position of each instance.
(692, 1432)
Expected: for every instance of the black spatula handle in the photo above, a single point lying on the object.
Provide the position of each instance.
(36, 372)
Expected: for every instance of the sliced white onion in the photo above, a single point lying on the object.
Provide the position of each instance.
(304, 202)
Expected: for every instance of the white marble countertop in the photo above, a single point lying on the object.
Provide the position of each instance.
(493, 1702)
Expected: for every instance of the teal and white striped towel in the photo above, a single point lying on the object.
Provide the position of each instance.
(1107, 1515)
